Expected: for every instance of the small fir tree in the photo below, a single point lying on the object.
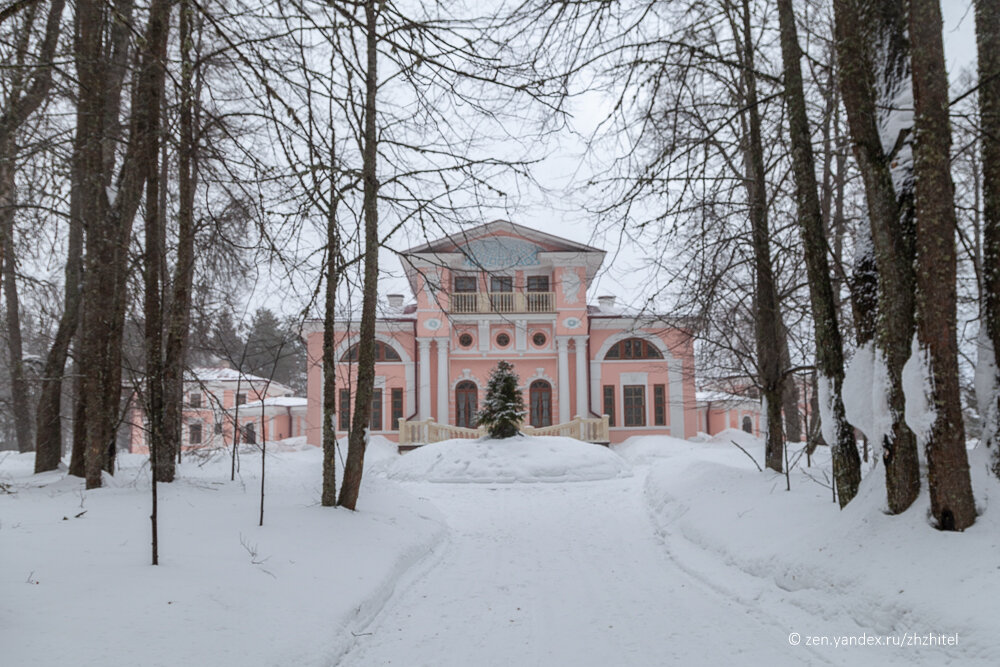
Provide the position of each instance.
(503, 408)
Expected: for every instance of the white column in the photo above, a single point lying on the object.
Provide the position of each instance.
(676, 368)
(562, 347)
(521, 335)
(581, 375)
(424, 386)
(442, 381)
(484, 335)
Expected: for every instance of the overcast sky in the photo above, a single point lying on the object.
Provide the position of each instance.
(560, 213)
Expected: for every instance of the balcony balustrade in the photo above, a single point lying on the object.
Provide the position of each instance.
(502, 302)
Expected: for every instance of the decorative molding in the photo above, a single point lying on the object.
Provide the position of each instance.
(466, 374)
(571, 284)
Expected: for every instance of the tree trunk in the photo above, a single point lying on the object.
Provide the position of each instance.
(48, 415)
(790, 397)
(952, 503)
(179, 316)
(866, 33)
(18, 381)
(767, 322)
(329, 498)
(366, 342)
(25, 94)
(829, 346)
(988, 43)
(109, 215)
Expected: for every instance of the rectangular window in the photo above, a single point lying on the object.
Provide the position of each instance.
(538, 283)
(635, 404)
(194, 400)
(659, 405)
(397, 407)
(609, 403)
(345, 409)
(241, 399)
(465, 284)
(501, 284)
(218, 428)
(375, 423)
(194, 434)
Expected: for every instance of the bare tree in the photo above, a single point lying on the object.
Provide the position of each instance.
(29, 80)
(952, 503)
(872, 53)
(988, 43)
(829, 345)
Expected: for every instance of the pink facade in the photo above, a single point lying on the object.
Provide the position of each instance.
(216, 399)
(718, 411)
(503, 291)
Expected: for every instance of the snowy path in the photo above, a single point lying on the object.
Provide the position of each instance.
(562, 574)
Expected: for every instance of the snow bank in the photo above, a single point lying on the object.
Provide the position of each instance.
(517, 459)
(986, 386)
(816, 570)
(865, 393)
(918, 390)
(76, 586)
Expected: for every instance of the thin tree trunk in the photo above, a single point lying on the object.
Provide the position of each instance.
(988, 44)
(26, 93)
(329, 498)
(48, 415)
(767, 312)
(952, 503)
(790, 397)
(867, 33)
(18, 381)
(354, 466)
(829, 345)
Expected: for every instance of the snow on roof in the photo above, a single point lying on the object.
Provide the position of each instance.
(276, 402)
(203, 374)
(722, 397)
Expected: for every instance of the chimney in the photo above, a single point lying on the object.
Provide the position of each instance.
(606, 302)
(395, 300)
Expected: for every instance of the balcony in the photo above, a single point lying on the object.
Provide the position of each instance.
(502, 302)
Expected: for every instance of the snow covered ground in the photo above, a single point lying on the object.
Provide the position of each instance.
(76, 587)
(517, 459)
(661, 551)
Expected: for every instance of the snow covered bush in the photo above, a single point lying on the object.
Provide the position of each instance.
(503, 408)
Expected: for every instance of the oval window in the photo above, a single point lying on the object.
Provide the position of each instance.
(539, 339)
(465, 340)
(503, 340)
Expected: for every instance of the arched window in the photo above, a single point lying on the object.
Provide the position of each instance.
(540, 399)
(383, 353)
(466, 404)
(747, 424)
(633, 348)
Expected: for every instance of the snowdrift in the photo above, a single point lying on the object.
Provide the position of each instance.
(796, 556)
(76, 586)
(517, 459)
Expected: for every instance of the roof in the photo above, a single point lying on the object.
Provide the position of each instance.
(205, 375)
(451, 242)
(723, 397)
(276, 402)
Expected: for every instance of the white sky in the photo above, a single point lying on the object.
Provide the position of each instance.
(559, 212)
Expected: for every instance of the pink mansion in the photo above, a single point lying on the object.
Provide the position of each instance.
(504, 291)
